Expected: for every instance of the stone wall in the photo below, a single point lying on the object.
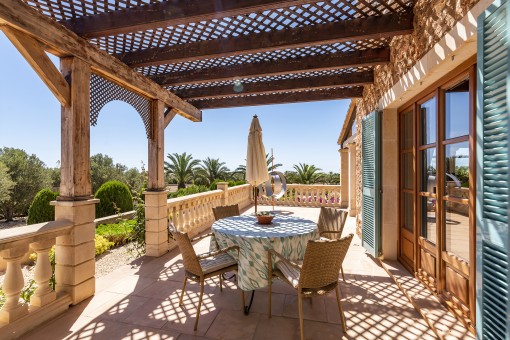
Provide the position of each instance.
(432, 20)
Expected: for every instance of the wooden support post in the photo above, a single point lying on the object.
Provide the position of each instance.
(156, 217)
(75, 132)
(75, 253)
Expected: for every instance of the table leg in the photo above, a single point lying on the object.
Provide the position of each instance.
(247, 308)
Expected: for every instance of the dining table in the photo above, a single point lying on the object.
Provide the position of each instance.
(287, 234)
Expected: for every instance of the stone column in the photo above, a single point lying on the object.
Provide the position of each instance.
(156, 218)
(352, 179)
(344, 177)
(75, 253)
(223, 186)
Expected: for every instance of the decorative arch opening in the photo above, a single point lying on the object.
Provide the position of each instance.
(103, 91)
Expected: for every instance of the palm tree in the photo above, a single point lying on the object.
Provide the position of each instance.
(241, 169)
(181, 167)
(306, 174)
(212, 169)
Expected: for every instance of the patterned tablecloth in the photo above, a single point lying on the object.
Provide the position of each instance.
(287, 235)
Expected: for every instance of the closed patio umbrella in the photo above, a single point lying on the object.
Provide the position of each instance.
(256, 166)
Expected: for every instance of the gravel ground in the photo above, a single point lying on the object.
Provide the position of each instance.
(18, 222)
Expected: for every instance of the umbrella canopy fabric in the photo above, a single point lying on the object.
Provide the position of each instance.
(256, 166)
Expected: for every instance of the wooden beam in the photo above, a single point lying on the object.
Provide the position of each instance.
(275, 86)
(272, 68)
(156, 148)
(280, 98)
(384, 26)
(169, 13)
(34, 54)
(64, 43)
(169, 115)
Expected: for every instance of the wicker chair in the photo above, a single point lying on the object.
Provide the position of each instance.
(317, 275)
(225, 211)
(331, 224)
(201, 267)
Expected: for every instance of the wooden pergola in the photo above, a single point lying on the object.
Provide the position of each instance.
(177, 57)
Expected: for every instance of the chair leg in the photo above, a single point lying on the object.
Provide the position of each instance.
(242, 297)
(269, 294)
(221, 283)
(342, 270)
(342, 317)
(199, 302)
(300, 306)
(183, 288)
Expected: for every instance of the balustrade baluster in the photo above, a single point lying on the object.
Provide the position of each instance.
(42, 275)
(13, 284)
(181, 217)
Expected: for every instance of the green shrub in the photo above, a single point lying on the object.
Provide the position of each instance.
(113, 195)
(193, 189)
(119, 233)
(102, 244)
(40, 210)
(214, 184)
(235, 183)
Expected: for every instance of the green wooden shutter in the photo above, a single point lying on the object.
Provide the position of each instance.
(371, 204)
(493, 176)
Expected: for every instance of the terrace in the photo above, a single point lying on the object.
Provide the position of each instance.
(399, 59)
(141, 300)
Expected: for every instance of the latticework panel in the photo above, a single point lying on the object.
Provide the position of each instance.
(314, 13)
(103, 91)
(301, 75)
(285, 54)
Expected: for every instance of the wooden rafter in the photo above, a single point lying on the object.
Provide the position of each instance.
(64, 42)
(279, 98)
(387, 25)
(272, 68)
(169, 13)
(34, 54)
(275, 86)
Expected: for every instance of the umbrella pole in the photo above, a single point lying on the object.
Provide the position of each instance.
(256, 194)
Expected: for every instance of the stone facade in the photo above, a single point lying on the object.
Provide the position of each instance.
(432, 20)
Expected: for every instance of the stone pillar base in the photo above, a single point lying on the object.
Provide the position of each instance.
(75, 262)
(8, 316)
(156, 223)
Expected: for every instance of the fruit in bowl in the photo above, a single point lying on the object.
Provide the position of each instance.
(264, 217)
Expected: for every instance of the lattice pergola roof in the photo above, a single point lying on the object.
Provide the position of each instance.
(222, 53)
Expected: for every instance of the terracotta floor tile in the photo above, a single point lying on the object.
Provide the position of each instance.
(131, 284)
(233, 325)
(276, 327)
(311, 311)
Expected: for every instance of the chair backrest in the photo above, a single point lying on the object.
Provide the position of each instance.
(189, 257)
(332, 219)
(322, 262)
(226, 211)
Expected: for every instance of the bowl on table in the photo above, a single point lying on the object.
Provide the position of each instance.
(264, 217)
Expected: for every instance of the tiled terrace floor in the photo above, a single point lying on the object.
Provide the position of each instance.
(140, 301)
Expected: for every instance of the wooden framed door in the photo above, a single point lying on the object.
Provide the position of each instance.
(407, 244)
(437, 190)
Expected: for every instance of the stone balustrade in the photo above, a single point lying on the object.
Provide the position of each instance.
(193, 213)
(240, 195)
(307, 195)
(16, 316)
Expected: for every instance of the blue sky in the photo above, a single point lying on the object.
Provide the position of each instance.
(30, 120)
